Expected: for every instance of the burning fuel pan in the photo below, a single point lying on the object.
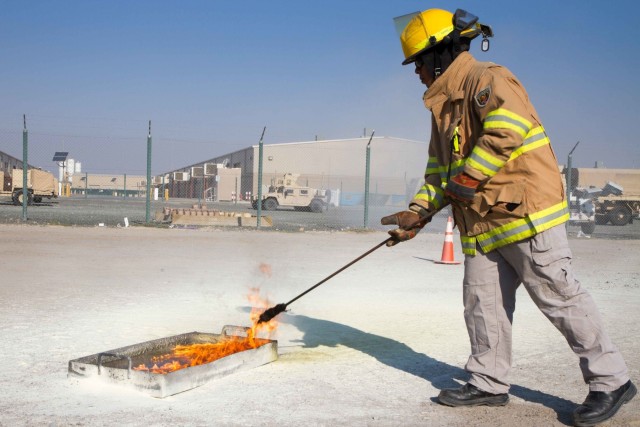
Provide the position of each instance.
(127, 365)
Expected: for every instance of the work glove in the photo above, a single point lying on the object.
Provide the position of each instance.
(462, 188)
(407, 222)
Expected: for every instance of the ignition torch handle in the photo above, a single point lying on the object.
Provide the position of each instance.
(340, 270)
(379, 245)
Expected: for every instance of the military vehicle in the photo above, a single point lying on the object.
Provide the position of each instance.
(40, 185)
(615, 193)
(285, 192)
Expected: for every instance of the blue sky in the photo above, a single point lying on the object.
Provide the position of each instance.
(89, 75)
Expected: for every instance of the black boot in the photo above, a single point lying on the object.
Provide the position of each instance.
(470, 395)
(599, 406)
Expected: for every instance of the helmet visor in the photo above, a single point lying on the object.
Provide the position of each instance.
(401, 22)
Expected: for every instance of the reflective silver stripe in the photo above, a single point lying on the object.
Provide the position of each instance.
(468, 245)
(432, 194)
(501, 118)
(533, 138)
(456, 168)
(466, 193)
(523, 228)
(432, 166)
(485, 163)
(505, 119)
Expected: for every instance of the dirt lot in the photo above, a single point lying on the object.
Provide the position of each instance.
(371, 347)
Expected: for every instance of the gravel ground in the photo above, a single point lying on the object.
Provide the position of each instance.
(371, 347)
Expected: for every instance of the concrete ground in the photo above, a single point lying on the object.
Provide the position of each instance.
(371, 347)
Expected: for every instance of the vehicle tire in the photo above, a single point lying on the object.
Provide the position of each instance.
(602, 219)
(254, 204)
(270, 204)
(316, 206)
(619, 215)
(37, 199)
(588, 227)
(17, 198)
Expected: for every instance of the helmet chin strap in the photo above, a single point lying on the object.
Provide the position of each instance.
(441, 57)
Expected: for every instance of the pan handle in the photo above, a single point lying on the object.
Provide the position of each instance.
(119, 356)
(232, 330)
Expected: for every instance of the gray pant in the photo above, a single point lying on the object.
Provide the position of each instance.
(543, 264)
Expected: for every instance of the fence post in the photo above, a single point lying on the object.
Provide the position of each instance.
(25, 167)
(259, 201)
(86, 185)
(569, 178)
(367, 172)
(148, 207)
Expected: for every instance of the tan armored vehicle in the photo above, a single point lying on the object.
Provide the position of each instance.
(40, 184)
(285, 192)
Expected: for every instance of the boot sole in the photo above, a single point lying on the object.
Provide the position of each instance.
(484, 401)
(626, 397)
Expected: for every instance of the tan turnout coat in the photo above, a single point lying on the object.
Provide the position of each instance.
(483, 113)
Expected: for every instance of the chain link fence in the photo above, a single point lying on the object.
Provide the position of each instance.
(84, 179)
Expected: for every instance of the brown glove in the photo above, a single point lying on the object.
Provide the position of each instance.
(462, 188)
(407, 222)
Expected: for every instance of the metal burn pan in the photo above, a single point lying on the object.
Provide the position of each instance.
(117, 366)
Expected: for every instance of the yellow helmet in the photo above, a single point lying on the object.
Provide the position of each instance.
(423, 30)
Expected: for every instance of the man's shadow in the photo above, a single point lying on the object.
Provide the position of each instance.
(400, 356)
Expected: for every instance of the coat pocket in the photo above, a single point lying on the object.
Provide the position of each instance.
(505, 200)
(552, 263)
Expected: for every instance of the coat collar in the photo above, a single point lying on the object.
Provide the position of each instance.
(447, 85)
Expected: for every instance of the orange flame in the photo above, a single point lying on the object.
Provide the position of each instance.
(184, 356)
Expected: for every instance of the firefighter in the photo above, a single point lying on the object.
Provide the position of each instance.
(491, 160)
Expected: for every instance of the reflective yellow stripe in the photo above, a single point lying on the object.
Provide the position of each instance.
(490, 165)
(456, 167)
(484, 162)
(432, 166)
(456, 138)
(431, 194)
(505, 119)
(468, 245)
(535, 139)
(525, 227)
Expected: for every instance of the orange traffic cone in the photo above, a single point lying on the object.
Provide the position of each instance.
(447, 248)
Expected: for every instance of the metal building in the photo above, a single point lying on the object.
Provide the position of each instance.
(118, 185)
(8, 162)
(396, 168)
